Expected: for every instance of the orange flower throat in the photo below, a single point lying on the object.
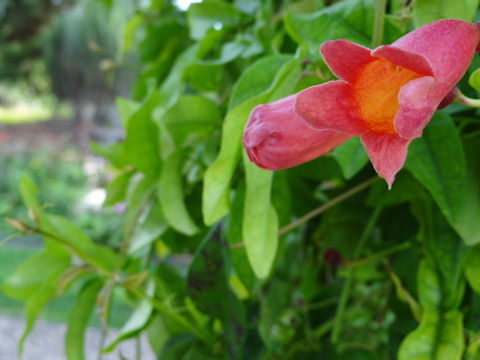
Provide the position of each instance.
(376, 90)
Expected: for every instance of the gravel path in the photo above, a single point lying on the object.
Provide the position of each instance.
(46, 342)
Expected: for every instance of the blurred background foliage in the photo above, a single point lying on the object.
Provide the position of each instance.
(168, 218)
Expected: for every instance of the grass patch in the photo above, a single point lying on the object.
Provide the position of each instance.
(27, 113)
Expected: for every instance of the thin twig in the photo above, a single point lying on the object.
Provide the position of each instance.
(326, 206)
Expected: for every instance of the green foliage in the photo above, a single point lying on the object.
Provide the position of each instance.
(425, 11)
(211, 258)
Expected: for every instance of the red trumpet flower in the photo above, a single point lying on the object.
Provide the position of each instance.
(386, 95)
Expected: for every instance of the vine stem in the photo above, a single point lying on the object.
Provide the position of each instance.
(467, 101)
(345, 294)
(326, 206)
(378, 23)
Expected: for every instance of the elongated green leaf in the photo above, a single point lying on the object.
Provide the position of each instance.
(218, 176)
(171, 196)
(137, 321)
(141, 142)
(71, 275)
(426, 11)
(440, 285)
(63, 232)
(235, 236)
(140, 193)
(150, 226)
(172, 86)
(78, 320)
(27, 279)
(275, 301)
(256, 79)
(472, 268)
(35, 304)
(440, 279)
(202, 16)
(187, 123)
(114, 153)
(351, 156)
(439, 337)
(437, 161)
(126, 109)
(117, 189)
(129, 31)
(104, 300)
(474, 79)
(466, 222)
(207, 285)
(351, 19)
(29, 192)
(260, 223)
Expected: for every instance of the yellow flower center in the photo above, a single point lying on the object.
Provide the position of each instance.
(376, 90)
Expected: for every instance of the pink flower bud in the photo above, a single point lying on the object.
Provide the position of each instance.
(276, 138)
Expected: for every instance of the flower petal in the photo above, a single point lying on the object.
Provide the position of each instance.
(330, 105)
(416, 107)
(404, 58)
(276, 138)
(345, 58)
(386, 152)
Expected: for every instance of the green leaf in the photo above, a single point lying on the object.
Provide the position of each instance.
(440, 280)
(151, 224)
(260, 222)
(202, 16)
(440, 285)
(474, 79)
(238, 254)
(137, 321)
(35, 304)
(351, 20)
(426, 11)
(117, 189)
(406, 189)
(218, 176)
(35, 287)
(129, 31)
(126, 109)
(208, 287)
(190, 121)
(63, 232)
(351, 156)
(78, 320)
(104, 300)
(29, 192)
(466, 222)
(437, 161)
(173, 85)
(207, 276)
(439, 337)
(140, 193)
(27, 279)
(114, 153)
(256, 79)
(472, 268)
(141, 142)
(273, 304)
(71, 275)
(204, 77)
(171, 196)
